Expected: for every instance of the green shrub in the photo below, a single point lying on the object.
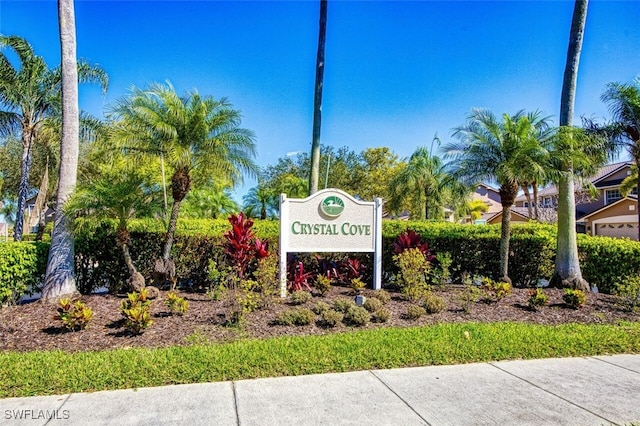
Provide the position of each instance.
(371, 304)
(468, 296)
(495, 290)
(628, 292)
(176, 304)
(321, 307)
(382, 314)
(357, 316)
(22, 268)
(266, 276)
(357, 284)
(381, 295)
(299, 316)
(415, 311)
(574, 298)
(135, 311)
(331, 318)
(605, 262)
(537, 298)
(217, 293)
(323, 284)
(412, 276)
(74, 316)
(300, 297)
(433, 303)
(441, 274)
(343, 305)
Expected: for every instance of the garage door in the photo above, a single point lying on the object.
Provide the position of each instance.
(617, 230)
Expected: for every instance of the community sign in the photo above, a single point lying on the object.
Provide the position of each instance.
(330, 221)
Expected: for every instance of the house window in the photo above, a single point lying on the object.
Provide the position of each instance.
(612, 195)
(546, 202)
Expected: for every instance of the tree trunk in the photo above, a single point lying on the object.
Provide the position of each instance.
(23, 189)
(638, 198)
(314, 174)
(426, 204)
(567, 269)
(171, 229)
(136, 280)
(59, 278)
(508, 193)
(536, 202)
(567, 272)
(41, 200)
(527, 196)
(505, 236)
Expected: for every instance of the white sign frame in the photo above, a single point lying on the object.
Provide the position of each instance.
(313, 224)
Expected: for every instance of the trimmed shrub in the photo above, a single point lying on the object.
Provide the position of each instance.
(414, 312)
(357, 316)
(299, 316)
(321, 307)
(628, 292)
(381, 295)
(343, 305)
(372, 304)
(331, 318)
(381, 315)
(300, 297)
(22, 268)
(433, 303)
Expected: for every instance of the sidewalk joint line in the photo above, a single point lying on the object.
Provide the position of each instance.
(553, 394)
(399, 397)
(59, 408)
(615, 365)
(235, 402)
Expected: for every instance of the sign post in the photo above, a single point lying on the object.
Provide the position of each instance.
(330, 221)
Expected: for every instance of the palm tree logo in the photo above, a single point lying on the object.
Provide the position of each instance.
(332, 206)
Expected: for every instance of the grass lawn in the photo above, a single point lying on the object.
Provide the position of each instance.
(58, 372)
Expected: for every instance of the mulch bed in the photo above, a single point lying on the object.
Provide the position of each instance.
(32, 326)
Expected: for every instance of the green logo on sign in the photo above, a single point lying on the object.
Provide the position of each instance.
(332, 206)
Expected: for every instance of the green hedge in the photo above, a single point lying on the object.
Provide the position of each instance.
(22, 268)
(473, 249)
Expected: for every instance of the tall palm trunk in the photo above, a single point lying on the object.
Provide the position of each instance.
(314, 174)
(28, 137)
(508, 193)
(536, 202)
(37, 218)
(59, 278)
(527, 196)
(171, 229)
(567, 269)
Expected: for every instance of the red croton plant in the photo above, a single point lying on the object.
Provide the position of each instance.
(241, 246)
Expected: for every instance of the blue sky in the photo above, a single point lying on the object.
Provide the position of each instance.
(397, 72)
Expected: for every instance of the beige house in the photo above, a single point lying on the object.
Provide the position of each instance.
(608, 214)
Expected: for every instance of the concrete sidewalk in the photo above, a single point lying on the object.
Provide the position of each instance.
(569, 391)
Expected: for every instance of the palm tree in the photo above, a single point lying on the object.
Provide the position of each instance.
(567, 266)
(198, 138)
(624, 105)
(317, 101)
(59, 277)
(261, 200)
(121, 194)
(423, 177)
(209, 202)
(27, 95)
(492, 150)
